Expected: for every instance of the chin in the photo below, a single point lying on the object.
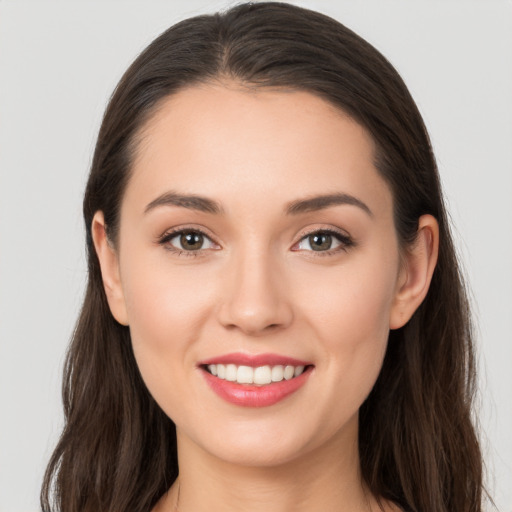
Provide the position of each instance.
(262, 452)
(269, 442)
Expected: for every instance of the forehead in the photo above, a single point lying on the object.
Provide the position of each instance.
(215, 139)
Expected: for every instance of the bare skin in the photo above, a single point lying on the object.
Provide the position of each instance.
(258, 284)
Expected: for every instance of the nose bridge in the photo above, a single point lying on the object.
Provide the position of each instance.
(257, 301)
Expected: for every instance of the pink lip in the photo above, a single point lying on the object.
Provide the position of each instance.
(247, 395)
(255, 396)
(255, 360)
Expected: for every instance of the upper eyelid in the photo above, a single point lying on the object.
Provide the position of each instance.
(186, 229)
(203, 231)
(344, 239)
(343, 235)
(329, 230)
(171, 233)
(168, 235)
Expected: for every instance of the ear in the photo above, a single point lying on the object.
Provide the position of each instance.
(109, 263)
(418, 264)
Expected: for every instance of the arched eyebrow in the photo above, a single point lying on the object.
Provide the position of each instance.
(190, 201)
(207, 205)
(321, 202)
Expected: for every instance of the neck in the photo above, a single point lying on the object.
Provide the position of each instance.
(327, 478)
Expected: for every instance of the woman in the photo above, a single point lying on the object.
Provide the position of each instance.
(273, 296)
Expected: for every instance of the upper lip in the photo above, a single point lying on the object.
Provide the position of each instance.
(254, 360)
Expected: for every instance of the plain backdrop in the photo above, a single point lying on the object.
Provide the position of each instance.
(59, 62)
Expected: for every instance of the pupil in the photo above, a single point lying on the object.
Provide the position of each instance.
(320, 242)
(191, 241)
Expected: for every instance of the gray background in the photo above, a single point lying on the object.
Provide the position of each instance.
(59, 62)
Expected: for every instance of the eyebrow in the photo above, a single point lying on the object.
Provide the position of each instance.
(192, 202)
(206, 205)
(324, 201)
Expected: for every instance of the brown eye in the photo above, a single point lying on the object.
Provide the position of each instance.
(320, 241)
(188, 241)
(325, 241)
(191, 241)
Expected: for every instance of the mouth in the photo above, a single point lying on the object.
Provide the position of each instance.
(255, 381)
(259, 376)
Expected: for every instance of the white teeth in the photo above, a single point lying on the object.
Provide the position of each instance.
(288, 372)
(277, 373)
(221, 371)
(245, 375)
(260, 376)
(298, 371)
(231, 371)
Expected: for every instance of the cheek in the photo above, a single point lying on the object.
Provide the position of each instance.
(163, 300)
(350, 318)
(353, 305)
(167, 307)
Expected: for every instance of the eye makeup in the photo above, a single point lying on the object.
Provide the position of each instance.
(193, 242)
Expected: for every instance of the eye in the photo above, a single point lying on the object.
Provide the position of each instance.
(325, 241)
(187, 240)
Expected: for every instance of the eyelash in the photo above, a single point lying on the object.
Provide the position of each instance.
(169, 235)
(346, 242)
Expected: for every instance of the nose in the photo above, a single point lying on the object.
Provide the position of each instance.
(256, 299)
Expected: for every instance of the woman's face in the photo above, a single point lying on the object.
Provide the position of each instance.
(256, 232)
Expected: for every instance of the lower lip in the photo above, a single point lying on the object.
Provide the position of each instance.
(248, 395)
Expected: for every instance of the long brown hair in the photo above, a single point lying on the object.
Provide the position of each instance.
(417, 442)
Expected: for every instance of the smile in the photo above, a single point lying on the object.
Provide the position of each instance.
(255, 380)
(262, 375)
